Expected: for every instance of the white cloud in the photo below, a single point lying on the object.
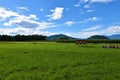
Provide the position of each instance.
(83, 34)
(92, 19)
(13, 18)
(4, 13)
(19, 30)
(81, 3)
(23, 8)
(8, 14)
(87, 34)
(92, 28)
(21, 18)
(24, 24)
(86, 6)
(41, 9)
(77, 5)
(108, 31)
(57, 13)
(89, 10)
(101, 1)
(24, 31)
(87, 3)
(69, 23)
(30, 24)
(113, 30)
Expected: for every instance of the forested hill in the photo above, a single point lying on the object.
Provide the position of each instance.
(98, 37)
(22, 38)
(60, 37)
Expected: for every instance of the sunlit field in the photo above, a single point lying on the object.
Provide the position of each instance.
(58, 61)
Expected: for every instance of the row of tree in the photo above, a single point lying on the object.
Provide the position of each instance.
(103, 41)
(22, 38)
(89, 41)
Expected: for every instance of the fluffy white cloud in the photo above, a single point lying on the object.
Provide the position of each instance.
(113, 30)
(20, 18)
(57, 13)
(27, 28)
(4, 13)
(30, 24)
(10, 31)
(23, 31)
(14, 18)
(24, 24)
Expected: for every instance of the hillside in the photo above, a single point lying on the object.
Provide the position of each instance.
(98, 37)
(60, 36)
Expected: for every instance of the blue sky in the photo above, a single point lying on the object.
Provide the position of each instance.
(76, 18)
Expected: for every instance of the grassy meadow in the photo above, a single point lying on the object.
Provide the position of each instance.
(58, 61)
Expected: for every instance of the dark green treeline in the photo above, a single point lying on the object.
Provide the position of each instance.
(22, 38)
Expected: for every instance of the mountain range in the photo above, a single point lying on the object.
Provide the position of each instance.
(62, 36)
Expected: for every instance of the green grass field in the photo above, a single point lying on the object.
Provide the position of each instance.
(57, 61)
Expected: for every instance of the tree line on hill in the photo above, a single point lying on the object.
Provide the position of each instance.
(89, 41)
(22, 38)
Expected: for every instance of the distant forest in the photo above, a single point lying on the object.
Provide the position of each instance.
(22, 38)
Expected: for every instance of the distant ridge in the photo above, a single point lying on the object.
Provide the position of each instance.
(96, 37)
(59, 36)
(116, 36)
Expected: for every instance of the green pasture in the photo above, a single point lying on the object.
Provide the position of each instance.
(58, 61)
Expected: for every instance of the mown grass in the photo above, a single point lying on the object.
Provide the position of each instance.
(57, 61)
